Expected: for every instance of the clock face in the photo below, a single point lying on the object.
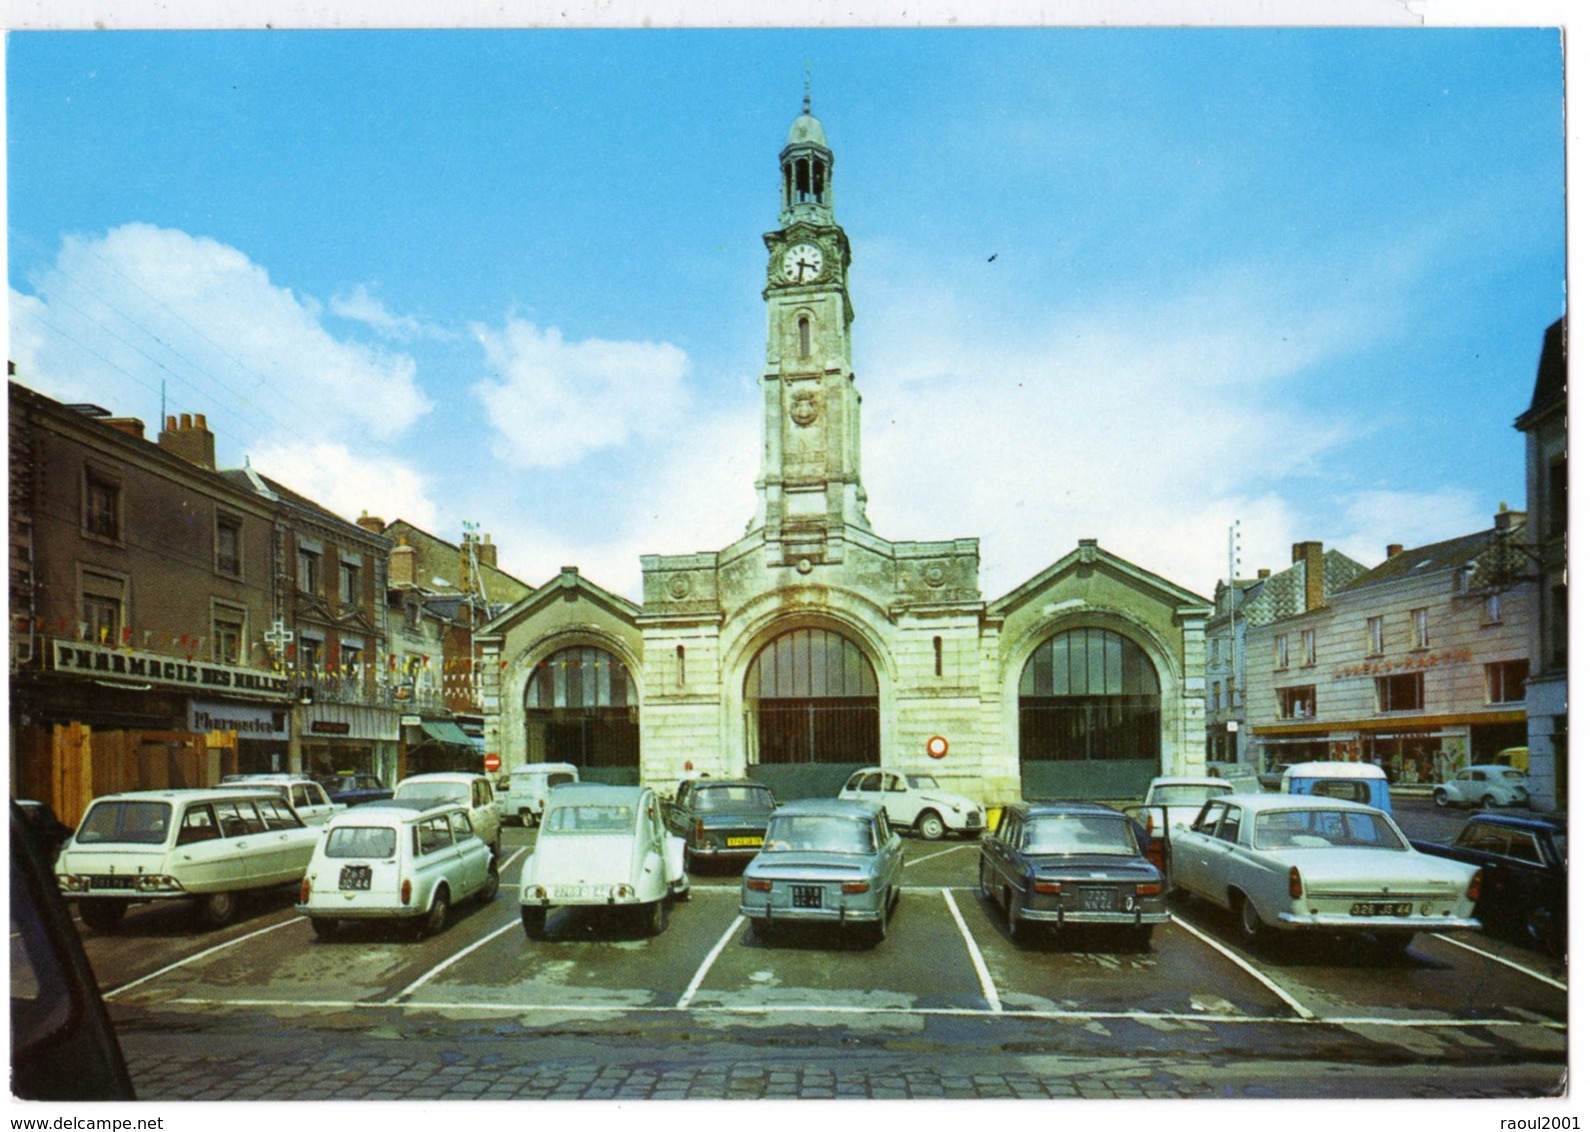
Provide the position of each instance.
(803, 263)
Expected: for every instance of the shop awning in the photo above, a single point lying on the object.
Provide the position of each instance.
(445, 731)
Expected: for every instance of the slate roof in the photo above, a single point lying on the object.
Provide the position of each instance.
(1436, 558)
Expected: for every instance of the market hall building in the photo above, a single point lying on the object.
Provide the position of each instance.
(813, 645)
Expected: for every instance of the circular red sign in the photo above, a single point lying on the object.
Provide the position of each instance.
(493, 761)
(938, 747)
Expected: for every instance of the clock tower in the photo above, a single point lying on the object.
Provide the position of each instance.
(810, 489)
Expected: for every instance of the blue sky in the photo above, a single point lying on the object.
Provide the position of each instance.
(1129, 285)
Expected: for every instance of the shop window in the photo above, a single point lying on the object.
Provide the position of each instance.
(1283, 654)
(104, 600)
(228, 626)
(1296, 702)
(1419, 628)
(229, 546)
(101, 505)
(1400, 693)
(1308, 648)
(1504, 681)
(308, 571)
(1376, 643)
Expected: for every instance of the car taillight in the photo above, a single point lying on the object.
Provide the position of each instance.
(701, 831)
(303, 892)
(1150, 825)
(407, 891)
(1294, 884)
(759, 885)
(1474, 886)
(1048, 887)
(854, 887)
(1153, 888)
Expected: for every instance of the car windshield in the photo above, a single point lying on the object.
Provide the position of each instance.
(126, 823)
(1324, 829)
(605, 818)
(734, 798)
(432, 793)
(1186, 793)
(1079, 833)
(922, 781)
(818, 833)
(371, 842)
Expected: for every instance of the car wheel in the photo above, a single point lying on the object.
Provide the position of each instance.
(881, 931)
(217, 909)
(930, 825)
(1254, 930)
(488, 891)
(1141, 937)
(436, 919)
(654, 917)
(534, 918)
(984, 889)
(755, 929)
(496, 849)
(1488, 801)
(1388, 945)
(324, 927)
(1441, 798)
(1015, 927)
(102, 915)
(1541, 927)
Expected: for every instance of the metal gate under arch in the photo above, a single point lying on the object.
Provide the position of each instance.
(581, 708)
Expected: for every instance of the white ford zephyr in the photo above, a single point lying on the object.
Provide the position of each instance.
(1287, 863)
(603, 847)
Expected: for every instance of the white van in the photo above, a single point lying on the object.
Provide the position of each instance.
(529, 785)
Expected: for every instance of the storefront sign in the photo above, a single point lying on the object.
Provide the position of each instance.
(99, 661)
(249, 722)
(1411, 663)
(329, 727)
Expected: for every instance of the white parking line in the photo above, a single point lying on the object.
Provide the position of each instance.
(1547, 979)
(712, 957)
(1302, 1011)
(941, 853)
(196, 957)
(446, 963)
(990, 992)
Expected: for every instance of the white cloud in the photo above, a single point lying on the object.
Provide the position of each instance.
(359, 305)
(1373, 520)
(348, 483)
(555, 402)
(142, 309)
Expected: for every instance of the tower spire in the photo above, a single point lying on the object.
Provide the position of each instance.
(806, 99)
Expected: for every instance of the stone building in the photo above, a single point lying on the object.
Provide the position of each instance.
(813, 644)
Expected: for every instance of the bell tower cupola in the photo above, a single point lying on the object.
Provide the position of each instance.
(810, 489)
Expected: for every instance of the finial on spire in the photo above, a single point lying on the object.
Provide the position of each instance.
(806, 100)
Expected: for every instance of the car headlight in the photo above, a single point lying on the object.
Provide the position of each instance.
(70, 883)
(158, 884)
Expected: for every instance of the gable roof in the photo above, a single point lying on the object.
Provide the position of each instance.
(570, 584)
(1089, 552)
(1436, 558)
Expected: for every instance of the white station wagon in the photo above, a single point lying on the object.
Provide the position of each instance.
(389, 861)
(603, 847)
(201, 845)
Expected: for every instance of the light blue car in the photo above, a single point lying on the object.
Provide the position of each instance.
(825, 861)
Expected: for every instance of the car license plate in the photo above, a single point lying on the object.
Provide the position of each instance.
(568, 891)
(355, 878)
(742, 842)
(1380, 909)
(806, 896)
(1097, 898)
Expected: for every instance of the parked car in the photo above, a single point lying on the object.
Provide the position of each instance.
(915, 801)
(720, 819)
(299, 791)
(1296, 863)
(1243, 777)
(207, 846)
(355, 789)
(529, 785)
(1484, 786)
(603, 847)
(1524, 861)
(1183, 797)
(828, 861)
(472, 791)
(1364, 783)
(392, 861)
(1058, 864)
(47, 832)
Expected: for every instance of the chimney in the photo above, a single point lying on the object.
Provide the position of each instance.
(1312, 555)
(401, 570)
(1264, 573)
(1505, 520)
(131, 426)
(190, 438)
(370, 523)
(1392, 550)
(487, 553)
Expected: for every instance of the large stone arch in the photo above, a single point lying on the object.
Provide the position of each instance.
(522, 668)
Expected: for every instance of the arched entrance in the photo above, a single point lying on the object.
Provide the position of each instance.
(1089, 704)
(811, 712)
(581, 708)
